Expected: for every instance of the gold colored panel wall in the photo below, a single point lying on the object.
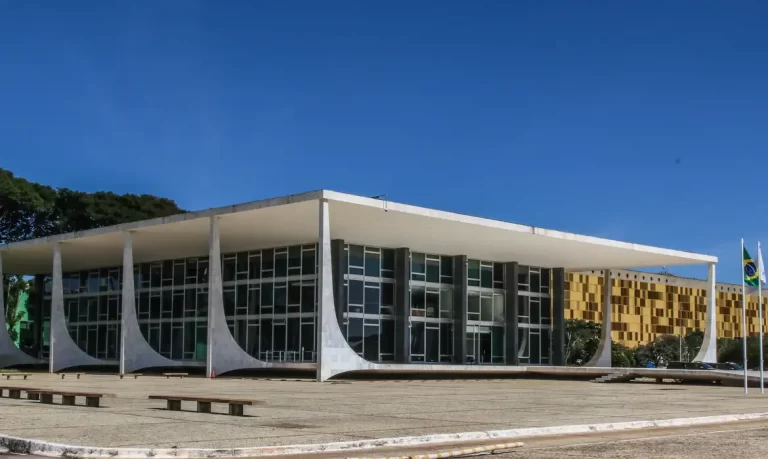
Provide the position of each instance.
(645, 306)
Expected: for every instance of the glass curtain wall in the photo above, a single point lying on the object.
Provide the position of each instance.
(534, 309)
(92, 307)
(270, 300)
(431, 308)
(172, 306)
(485, 312)
(368, 319)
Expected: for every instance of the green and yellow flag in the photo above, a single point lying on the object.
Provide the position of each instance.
(751, 276)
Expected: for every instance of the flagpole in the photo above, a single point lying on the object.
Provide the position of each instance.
(760, 311)
(744, 315)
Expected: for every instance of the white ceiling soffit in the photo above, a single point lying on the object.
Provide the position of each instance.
(383, 223)
(243, 227)
(294, 220)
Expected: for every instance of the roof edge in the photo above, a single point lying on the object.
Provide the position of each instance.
(195, 215)
(490, 223)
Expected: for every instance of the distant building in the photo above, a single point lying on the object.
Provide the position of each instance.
(646, 305)
(22, 327)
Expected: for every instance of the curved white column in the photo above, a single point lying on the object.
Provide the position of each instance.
(334, 354)
(224, 354)
(135, 351)
(10, 354)
(64, 352)
(602, 357)
(708, 351)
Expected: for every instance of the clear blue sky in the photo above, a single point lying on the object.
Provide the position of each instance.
(567, 115)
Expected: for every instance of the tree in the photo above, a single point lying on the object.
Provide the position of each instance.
(30, 210)
(581, 340)
(663, 349)
(16, 285)
(732, 350)
(621, 355)
(693, 341)
(25, 208)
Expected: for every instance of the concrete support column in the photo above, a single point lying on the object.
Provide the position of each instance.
(602, 357)
(128, 296)
(402, 305)
(339, 269)
(57, 307)
(557, 294)
(215, 292)
(224, 354)
(135, 351)
(39, 337)
(708, 351)
(334, 356)
(64, 351)
(460, 305)
(510, 312)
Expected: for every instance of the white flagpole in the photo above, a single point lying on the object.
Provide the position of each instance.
(760, 310)
(744, 315)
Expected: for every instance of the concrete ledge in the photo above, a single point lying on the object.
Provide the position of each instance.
(42, 448)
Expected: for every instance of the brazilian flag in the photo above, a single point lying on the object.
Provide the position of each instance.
(751, 276)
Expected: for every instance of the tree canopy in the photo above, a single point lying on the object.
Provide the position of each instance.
(31, 210)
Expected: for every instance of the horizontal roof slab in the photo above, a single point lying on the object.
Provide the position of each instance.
(294, 220)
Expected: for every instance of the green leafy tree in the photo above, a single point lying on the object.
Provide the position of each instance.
(26, 208)
(30, 210)
(581, 340)
(621, 355)
(693, 341)
(662, 350)
(732, 350)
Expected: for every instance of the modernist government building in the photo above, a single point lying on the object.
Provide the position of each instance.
(334, 283)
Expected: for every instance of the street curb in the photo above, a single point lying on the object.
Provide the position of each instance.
(42, 448)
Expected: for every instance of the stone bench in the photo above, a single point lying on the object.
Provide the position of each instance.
(70, 374)
(135, 375)
(173, 403)
(67, 397)
(175, 375)
(15, 392)
(11, 375)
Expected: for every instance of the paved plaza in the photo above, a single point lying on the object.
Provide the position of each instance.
(304, 411)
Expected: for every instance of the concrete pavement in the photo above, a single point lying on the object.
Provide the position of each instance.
(304, 411)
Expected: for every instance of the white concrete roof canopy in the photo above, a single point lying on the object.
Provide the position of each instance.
(294, 220)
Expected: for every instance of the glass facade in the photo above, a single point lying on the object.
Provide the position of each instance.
(92, 307)
(172, 306)
(368, 319)
(431, 308)
(534, 310)
(485, 312)
(270, 300)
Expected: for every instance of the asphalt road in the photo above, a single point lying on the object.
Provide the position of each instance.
(736, 440)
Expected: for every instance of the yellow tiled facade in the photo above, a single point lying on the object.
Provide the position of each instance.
(648, 305)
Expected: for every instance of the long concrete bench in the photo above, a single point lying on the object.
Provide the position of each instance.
(68, 397)
(175, 375)
(15, 392)
(11, 375)
(173, 403)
